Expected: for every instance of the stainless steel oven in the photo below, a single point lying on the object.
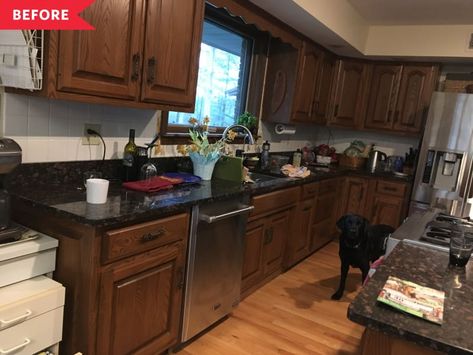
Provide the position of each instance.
(214, 263)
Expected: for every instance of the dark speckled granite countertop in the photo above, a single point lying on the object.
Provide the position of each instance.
(428, 268)
(67, 199)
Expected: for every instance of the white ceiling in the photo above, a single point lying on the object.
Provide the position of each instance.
(415, 12)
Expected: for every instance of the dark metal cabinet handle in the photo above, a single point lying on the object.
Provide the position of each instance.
(335, 113)
(135, 67)
(180, 278)
(268, 236)
(151, 70)
(152, 236)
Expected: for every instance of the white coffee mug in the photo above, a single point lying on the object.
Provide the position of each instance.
(97, 190)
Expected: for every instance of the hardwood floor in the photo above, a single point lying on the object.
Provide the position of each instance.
(293, 314)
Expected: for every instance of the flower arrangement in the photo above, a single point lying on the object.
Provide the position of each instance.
(199, 139)
(203, 154)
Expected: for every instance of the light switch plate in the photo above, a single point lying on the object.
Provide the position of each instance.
(88, 139)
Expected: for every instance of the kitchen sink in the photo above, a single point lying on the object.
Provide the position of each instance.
(259, 177)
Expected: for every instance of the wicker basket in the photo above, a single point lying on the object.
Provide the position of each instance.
(352, 162)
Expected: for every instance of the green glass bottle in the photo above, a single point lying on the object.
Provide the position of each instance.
(129, 158)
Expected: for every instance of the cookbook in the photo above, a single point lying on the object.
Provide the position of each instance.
(420, 301)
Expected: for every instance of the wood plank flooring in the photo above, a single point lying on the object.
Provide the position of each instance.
(293, 314)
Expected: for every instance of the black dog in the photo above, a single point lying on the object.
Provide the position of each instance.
(360, 244)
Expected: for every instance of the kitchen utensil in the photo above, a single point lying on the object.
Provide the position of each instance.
(375, 157)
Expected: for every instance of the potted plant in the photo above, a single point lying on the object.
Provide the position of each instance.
(202, 153)
(248, 120)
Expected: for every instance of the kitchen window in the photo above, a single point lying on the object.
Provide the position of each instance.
(225, 62)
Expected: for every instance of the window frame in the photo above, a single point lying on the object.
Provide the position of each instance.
(175, 134)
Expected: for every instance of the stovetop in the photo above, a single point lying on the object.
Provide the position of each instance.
(443, 227)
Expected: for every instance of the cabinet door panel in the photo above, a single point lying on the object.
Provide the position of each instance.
(356, 190)
(349, 93)
(141, 303)
(275, 239)
(414, 98)
(172, 46)
(253, 268)
(322, 89)
(387, 210)
(106, 61)
(298, 243)
(383, 95)
(307, 81)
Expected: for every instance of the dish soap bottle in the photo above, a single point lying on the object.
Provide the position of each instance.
(265, 156)
(296, 158)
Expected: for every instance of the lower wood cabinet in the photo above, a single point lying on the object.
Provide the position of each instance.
(269, 226)
(378, 200)
(298, 243)
(140, 302)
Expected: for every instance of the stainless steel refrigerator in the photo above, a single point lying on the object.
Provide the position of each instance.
(444, 169)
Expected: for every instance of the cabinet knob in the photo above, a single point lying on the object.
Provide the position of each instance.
(151, 70)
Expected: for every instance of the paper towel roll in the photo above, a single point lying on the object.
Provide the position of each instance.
(284, 129)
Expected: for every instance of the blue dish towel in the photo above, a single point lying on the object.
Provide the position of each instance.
(186, 177)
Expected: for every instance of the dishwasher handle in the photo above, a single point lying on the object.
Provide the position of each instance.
(212, 219)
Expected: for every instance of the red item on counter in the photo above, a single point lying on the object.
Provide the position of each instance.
(152, 185)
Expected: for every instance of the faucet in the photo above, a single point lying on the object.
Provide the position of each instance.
(247, 131)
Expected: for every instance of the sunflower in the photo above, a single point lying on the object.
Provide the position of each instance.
(231, 135)
(193, 121)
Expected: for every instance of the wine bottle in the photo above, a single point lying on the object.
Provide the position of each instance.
(129, 158)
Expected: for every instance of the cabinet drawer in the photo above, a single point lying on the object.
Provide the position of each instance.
(135, 239)
(328, 186)
(274, 200)
(33, 335)
(309, 190)
(391, 188)
(28, 299)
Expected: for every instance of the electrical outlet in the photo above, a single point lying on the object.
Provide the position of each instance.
(88, 139)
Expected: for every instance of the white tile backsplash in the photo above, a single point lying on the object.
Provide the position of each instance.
(51, 130)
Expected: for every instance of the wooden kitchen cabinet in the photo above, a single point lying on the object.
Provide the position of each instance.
(269, 226)
(383, 96)
(349, 93)
(416, 88)
(140, 302)
(355, 196)
(107, 61)
(399, 97)
(307, 81)
(298, 243)
(389, 202)
(171, 52)
(322, 89)
(141, 53)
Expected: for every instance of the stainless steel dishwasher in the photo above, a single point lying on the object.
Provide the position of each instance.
(214, 263)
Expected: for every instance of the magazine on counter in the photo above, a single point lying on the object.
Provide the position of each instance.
(420, 301)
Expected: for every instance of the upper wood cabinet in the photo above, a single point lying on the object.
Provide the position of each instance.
(322, 89)
(171, 51)
(349, 93)
(417, 84)
(106, 61)
(141, 52)
(314, 81)
(383, 96)
(399, 97)
(307, 79)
